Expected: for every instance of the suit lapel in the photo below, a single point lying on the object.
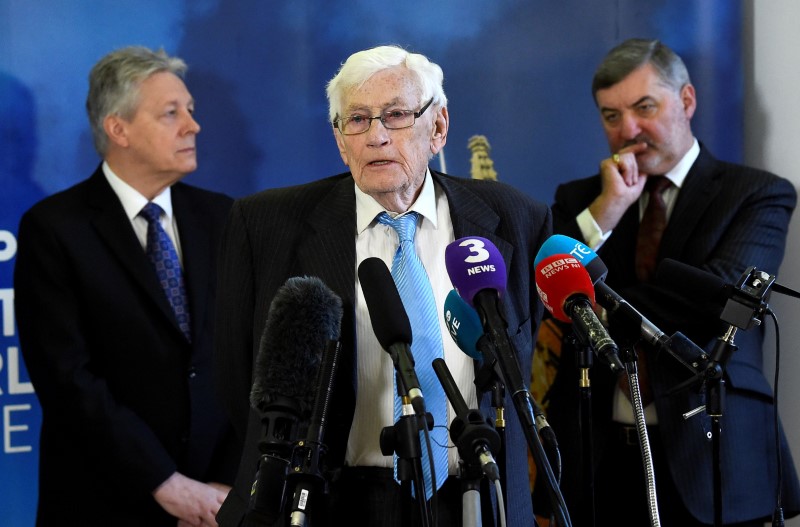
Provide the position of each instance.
(471, 216)
(197, 255)
(328, 252)
(113, 227)
(700, 187)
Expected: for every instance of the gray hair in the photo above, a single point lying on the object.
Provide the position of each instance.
(635, 53)
(114, 85)
(362, 65)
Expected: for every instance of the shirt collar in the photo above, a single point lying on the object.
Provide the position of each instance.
(367, 208)
(680, 171)
(132, 200)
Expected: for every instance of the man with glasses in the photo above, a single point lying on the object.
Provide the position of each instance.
(389, 117)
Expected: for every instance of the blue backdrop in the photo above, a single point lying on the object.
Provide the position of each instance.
(516, 71)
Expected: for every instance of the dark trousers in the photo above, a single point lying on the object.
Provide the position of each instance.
(622, 500)
(370, 496)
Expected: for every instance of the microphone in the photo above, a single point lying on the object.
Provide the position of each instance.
(473, 436)
(286, 364)
(744, 302)
(307, 457)
(390, 324)
(478, 272)
(463, 324)
(560, 244)
(678, 345)
(465, 328)
(566, 291)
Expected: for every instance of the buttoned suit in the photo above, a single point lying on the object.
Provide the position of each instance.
(126, 399)
(727, 217)
(311, 230)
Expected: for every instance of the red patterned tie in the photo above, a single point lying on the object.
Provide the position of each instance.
(652, 226)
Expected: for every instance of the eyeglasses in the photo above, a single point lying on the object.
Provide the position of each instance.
(392, 120)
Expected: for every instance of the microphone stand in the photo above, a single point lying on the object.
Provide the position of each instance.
(628, 356)
(488, 379)
(584, 358)
(475, 440)
(403, 439)
(627, 331)
(281, 420)
(306, 474)
(744, 308)
(495, 326)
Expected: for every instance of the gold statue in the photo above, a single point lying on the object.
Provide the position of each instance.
(482, 164)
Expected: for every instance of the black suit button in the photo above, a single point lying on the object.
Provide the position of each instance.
(192, 372)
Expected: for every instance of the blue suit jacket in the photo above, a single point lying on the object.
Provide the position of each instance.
(727, 217)
(310, 230)
(126, 399)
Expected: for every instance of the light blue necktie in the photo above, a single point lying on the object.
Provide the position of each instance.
(164, 258)
(417, 296)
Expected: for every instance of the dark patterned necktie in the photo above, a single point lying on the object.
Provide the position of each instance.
(652, 226)
(417, 296)
(164, 258)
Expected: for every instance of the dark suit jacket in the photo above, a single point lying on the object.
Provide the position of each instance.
(311, 230)
(126, 400)
(727, 217)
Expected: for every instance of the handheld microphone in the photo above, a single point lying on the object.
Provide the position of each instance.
(463, 324)
(478, 272)
(465, 328)
(286, 365)
(560, 244)
(473, 436)
(678, 345)
(566, 291)
(390, 324)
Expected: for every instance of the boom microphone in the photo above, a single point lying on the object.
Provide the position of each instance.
(744, 302)
(306, 475)
(566, 291)
(475, 439)
(303, 319)
(390, 324)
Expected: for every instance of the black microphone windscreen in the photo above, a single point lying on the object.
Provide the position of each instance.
(389, 318)
(304, 316)
(691, 282)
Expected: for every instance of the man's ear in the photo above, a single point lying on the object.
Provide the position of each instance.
(689, 99)
(340, 145)
(440, 126)
(116, 130)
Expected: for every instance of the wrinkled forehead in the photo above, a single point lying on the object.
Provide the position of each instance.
(397, 86)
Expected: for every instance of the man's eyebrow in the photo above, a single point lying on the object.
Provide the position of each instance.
(604, 109)
(353, 107)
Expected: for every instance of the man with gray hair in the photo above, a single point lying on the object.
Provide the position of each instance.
(114, 287)
(661, 194)
(389, 117)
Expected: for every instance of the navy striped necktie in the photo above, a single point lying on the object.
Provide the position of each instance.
(164, 257)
